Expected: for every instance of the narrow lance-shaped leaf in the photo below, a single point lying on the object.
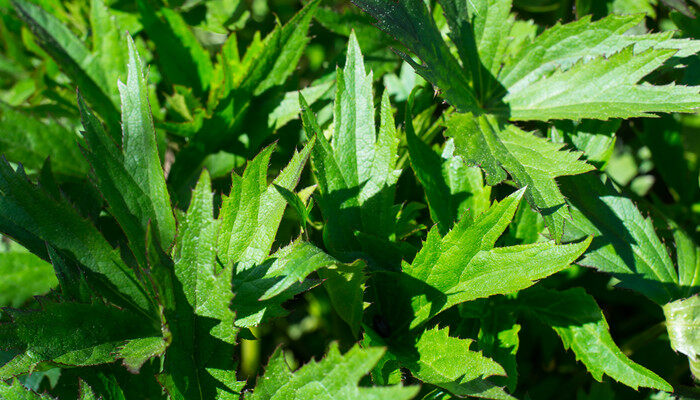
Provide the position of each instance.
(140, 148)
(251, 214)
(562, 45)
(356, 172)
(201, 321)
(580, 324)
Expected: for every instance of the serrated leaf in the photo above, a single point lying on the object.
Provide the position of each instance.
(40, 217)
(531, 161)
(85, 392)
(251, 214)
(464, 265)
(72, 334)
(448, 362)
(562, 45)
(15, 391)
(206, 286)
(625, 243)
(261, 289)
(410, 22)
(356, 171)
(603, 88)
(199, 317)
(334, 377)
(140, 149)
(582, 327)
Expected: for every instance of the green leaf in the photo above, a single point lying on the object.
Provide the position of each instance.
(580, 324)
(251, 214)
(71, 334)
(261, 289)
(108, 46)
(356, 172)
(28, 140)
(688, 255)
(345, 285)
(481, 31)
(410, 22)
(23, 275)
(136, 352)
(199, 316)
(15, 391)
(449, 363)
(140, 148)
(453, 190)
(86, 392)
(73, 57)
(464, 265)
(40, 217)
(206, 287)
(183, 60)
(296, 203)
(562, 46)
(625, 243)
(683, 324)
(334, 377)
(531, 161)
(603, 88)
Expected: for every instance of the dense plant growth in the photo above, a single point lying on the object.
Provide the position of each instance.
(396, 199)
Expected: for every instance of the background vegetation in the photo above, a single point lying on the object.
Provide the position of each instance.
(220, 96)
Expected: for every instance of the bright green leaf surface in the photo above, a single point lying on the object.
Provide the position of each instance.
(580, 324)
(448, 362)
(464, 265)
(334, 377)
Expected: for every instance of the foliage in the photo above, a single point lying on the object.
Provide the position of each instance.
(276, 200)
